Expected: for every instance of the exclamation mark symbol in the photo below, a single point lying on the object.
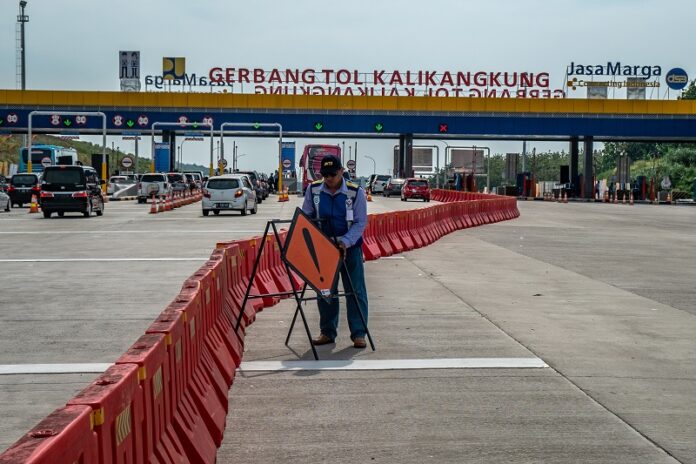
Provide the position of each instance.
(312, 252)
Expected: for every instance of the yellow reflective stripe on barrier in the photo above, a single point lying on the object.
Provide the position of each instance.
(178, 351)
(98, 415)
(123, 425)
(168, 339)
(192, 328)
(207, 295)
(142, 373)
(157, 383)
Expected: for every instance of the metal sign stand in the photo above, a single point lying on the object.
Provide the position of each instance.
(298, 295)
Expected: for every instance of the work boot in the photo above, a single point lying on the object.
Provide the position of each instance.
(322, 340)
(359, 342)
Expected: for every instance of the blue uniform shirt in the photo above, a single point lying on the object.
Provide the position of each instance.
(332, 206)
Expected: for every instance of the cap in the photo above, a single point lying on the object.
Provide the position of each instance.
(330, 165)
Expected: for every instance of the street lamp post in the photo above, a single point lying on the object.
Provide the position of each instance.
(374, 164)
(21, 19)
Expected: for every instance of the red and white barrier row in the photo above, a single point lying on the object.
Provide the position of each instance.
(165, 399)
(173, 200)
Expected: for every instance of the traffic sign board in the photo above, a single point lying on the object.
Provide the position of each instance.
(312, 254)
(379, 127)
(127, 162)
(223, 161)
(287, 163)
(350, 164)
(46, 161)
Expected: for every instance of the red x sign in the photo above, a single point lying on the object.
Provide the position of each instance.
(443, 127)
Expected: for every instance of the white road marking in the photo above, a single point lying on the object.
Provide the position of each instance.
(393, 257)
(394, 364)
(94, 260)
(102, 232)
(16, 369)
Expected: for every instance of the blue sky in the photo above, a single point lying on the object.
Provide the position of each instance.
(73, 45)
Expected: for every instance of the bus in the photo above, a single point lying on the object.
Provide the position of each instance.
(310, 162)
(43, 154)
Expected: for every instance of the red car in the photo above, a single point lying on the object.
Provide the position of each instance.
(415, 188)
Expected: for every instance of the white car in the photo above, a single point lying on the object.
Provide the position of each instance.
(231, 192)
(380, 183)
(154, 183)
(4, 201)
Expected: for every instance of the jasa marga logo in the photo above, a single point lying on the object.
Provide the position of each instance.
(677, 78)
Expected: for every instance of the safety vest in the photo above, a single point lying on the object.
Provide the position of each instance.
(337, 208)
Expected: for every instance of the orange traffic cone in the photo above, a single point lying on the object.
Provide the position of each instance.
(631, 199)
(160, 205)
(623, 199)
(153, 205)
(369, 195)
(669, 198)
(616, 198)
(34, 206)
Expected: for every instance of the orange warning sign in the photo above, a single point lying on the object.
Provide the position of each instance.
(312, 254)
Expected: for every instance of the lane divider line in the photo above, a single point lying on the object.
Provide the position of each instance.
(393, 364)
(101, 232)
(87, 368)
(92, 260)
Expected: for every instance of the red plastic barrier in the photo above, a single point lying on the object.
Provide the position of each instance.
(117, 408)
(370, 247)
(207, 386)
(170, 324)
(275, 264)
(402, 227)
(413, 228)
(65, 436)
(385, 248)
(198, 406)
(392, 236)
(247, 257)
(149, 353)
(234, 295)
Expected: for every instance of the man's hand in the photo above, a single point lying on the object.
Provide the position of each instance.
(342, 246)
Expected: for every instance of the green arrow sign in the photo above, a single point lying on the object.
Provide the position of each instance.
(67, 122)
(195, 125)
(379, 127)
(318, 126)
(1, 121)
(130, 123)
(257, 125)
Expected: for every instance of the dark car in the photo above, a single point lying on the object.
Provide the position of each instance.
(66, 189)
(393, 187)
(415, 188)
(22, 187)
(256, 182)
(178, 182)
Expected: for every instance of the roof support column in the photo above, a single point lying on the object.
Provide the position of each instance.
(574, 153)
(588, 179)
(405, 155)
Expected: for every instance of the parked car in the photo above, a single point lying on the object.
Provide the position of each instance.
(154, 183)
(415, 188)
(229, 192)
(379, 183)
(5, 201)
(67, 189)
(393, 187)
(4, 183)
(254, 178)
(22, 187)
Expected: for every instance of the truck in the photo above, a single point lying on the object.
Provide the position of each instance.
(310, 162)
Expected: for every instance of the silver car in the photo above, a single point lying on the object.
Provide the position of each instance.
(231, 192)
(4, 201)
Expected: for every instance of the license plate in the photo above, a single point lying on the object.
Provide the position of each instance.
(223, 205)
